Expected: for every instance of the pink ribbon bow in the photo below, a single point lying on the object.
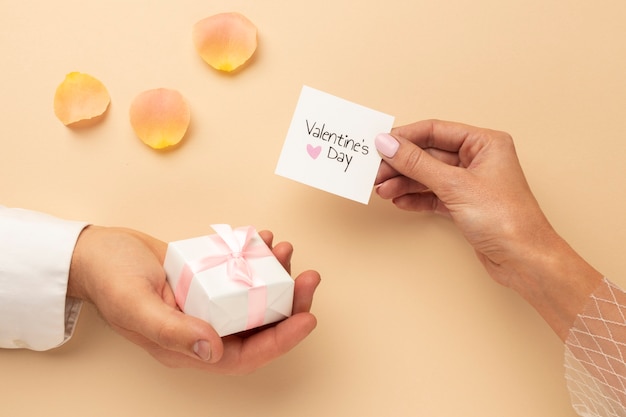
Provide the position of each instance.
(235, 250)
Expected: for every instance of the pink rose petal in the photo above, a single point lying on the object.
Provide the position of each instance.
(226, 40)
(160, 117)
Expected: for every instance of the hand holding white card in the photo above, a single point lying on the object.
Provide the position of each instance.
(330, 145)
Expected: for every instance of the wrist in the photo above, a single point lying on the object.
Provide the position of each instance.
(78, 265)
(555, 280)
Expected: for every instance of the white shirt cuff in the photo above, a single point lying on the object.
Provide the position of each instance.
(35, 254)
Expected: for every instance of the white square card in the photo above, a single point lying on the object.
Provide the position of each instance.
(330, 145)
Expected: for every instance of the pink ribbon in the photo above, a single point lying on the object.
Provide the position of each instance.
(235, 250)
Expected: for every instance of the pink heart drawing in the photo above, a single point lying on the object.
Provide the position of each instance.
(313, 151)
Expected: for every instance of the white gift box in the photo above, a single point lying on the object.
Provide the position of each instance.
(230, 279)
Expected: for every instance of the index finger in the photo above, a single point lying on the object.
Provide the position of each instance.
(437, 134)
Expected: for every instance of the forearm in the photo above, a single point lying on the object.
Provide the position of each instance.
(587, 312)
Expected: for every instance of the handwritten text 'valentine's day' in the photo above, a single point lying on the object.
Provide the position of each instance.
(342, 143)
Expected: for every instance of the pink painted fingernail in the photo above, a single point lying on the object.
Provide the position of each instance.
(386, 144)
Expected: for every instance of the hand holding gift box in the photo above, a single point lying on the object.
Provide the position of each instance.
(230, 279)
(120, 271)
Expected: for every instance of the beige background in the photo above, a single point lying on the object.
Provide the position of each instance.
(409, 323)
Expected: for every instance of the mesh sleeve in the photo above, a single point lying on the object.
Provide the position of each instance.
(595, 354)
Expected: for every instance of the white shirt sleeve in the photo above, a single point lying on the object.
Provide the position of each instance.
(35, 254)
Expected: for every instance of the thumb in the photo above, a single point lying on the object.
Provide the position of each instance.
(412, 161)
(173, 330)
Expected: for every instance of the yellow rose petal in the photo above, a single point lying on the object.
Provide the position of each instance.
(160, 117)
(80, 97)
(226, 40)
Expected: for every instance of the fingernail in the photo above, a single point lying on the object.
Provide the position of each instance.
(386, 144)
(202, 349)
